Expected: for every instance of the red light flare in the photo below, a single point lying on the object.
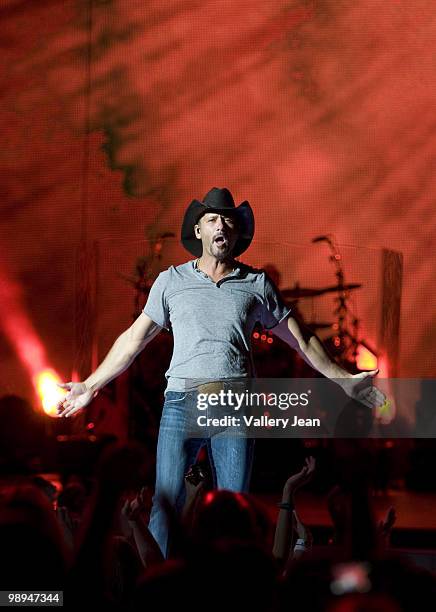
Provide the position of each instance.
(21, 335)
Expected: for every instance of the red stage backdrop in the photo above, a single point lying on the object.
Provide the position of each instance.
(115, 114)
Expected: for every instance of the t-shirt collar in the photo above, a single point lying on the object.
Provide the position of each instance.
(235, 272)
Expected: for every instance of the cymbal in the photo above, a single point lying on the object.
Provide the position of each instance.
(302, 292)
(297, 292)
(340, 288)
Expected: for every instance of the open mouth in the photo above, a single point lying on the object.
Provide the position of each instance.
(221, 240)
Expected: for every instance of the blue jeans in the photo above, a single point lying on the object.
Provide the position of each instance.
(231, 460)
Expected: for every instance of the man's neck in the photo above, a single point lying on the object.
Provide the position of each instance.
(215, 268)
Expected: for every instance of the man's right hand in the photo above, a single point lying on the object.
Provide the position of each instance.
(78, 397)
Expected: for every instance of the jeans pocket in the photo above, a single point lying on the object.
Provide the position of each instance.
(174, 397)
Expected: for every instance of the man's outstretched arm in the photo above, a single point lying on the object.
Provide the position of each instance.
(124, 350)
(302, 339)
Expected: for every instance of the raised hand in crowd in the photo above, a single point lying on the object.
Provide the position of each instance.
(385, 527)
(299, 479)
(283, 534)
(135, 512)
(195, 479)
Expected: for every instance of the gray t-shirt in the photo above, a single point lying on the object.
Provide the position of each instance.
(212, 323)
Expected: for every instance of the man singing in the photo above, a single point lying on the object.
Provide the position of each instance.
(211, 305)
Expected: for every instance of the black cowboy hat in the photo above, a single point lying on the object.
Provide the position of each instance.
(221, 201)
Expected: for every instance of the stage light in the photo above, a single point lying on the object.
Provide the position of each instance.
(365, 358)
(18, 329)
(50, 394)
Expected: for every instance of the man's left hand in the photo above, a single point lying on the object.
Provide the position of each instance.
(359, 387)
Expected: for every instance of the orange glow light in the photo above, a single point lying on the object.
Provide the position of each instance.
(48, 391)
(365, 360)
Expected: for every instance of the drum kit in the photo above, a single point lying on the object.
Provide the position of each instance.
(343, 341)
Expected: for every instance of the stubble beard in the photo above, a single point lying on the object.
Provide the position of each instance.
(220, 254)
